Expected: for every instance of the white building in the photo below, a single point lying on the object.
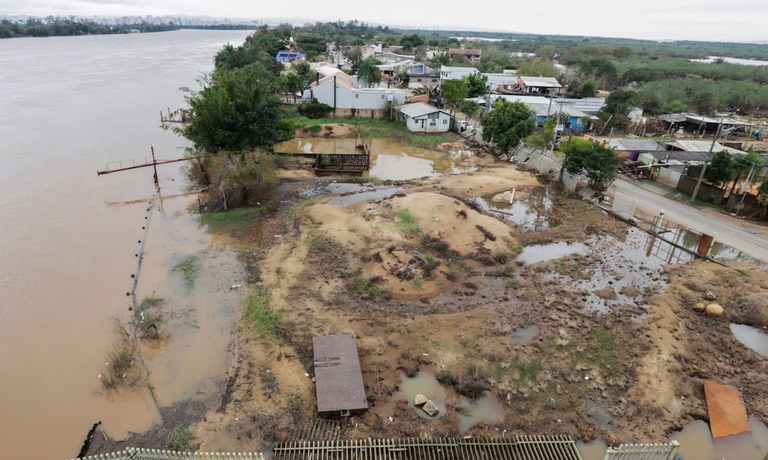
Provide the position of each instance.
(341, 92)
(455, 73)
(538, 85)
(424, 118)
(505, 80)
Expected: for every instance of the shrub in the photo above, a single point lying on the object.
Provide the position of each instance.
(314, 109)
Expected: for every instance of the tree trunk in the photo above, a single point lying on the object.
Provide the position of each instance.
(733, 187)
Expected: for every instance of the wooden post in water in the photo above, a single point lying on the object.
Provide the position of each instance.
(154, 165)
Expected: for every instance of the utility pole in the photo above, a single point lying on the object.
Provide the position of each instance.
(709, 159)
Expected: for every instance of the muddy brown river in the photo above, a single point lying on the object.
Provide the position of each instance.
(68, 238)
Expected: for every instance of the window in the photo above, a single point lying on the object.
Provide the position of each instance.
(357, 96)
(433, 116)
(445, 122)
(382, 96)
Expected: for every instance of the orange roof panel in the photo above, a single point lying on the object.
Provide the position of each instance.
(727, 413)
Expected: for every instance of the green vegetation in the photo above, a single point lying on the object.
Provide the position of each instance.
(120, 366)
(314, 109)
(367, 289)
(596, 161)
(188, 268)
(507, 124)
(477, 84)
(58, 26)
(264, 320)
(602, 351)
(317, 241)
(180, 439)
(368, 71)
(519, 371)
(406, 222)
(454, 91)
(235, 220)
(512, 282)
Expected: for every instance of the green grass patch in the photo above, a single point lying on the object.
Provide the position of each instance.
(180, 439)
(418, 283)
(317, 241)
(188, 269)
(374, 127)
(512, 282)
(515, 248)
(519, 371)
(602, 352)
(368, 289)
(236, 219)
(266, 321)
(406, 222)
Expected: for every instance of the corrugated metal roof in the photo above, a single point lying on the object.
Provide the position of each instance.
(633, 145)
(541, 110)
(418, 109)
(692, 145)
(338, 377)
(541, 82)
(679, 156)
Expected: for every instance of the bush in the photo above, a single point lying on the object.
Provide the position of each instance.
(235, 178)
(314, 109)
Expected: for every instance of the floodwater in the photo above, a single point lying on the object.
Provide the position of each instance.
(696, 443)
(357, 193)
(525, 335)
(484, 410)
(529, 210)
(543, 252)
(70, 105)
(732, 60)
(390, 160)
(751, 337)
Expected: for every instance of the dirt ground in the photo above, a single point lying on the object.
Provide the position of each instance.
(426, 282)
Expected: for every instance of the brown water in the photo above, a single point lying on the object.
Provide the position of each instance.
(751, 337)
(70, 105)
(390, 160)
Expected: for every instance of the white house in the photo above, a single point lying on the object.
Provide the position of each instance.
(340, 92)
(424, 118)
(538, 85)
(505, 80)
(455, 73)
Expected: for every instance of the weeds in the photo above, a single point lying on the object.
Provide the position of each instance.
(263, 319)
(368, 289)
(515, 248)
(418, 283)
(317, 241)
(370, 127)
(236, 220)
(180, 439)
(120, 360)
(406, 223)
(188, 268)
(512, 282)
(602, 352)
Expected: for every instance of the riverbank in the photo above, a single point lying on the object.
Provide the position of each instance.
(600, 342)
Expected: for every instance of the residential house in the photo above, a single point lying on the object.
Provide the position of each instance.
(341, 92)
(575, 121)
(432, 53)
(287, 57)
(390, 70)
(424, 118)
(472, 55)
(546, 86)
(689, 145)
(423, 75)
(694, 123)
(369, 51)
(499, 81)
(391, 58)
(455, 73)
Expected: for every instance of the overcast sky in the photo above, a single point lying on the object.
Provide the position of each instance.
(711, 20)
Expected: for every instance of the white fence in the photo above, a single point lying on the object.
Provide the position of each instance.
(624, 206)
(668, 177)
(665, 451)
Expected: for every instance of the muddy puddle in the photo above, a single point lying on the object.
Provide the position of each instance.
(390, 160)
(525, 335)
(545, 252)
(484, 410)
(528, 210)
(751, 337)
(424, 383)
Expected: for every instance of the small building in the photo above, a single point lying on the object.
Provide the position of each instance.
(575, 118)
(424, 118)
(338, 376)
(472, 55)
(391, 58)
(423, 75)
(501, 81)
(455, 73)
(547, 86)
(631, 148)
(693, 145)
(287, 57)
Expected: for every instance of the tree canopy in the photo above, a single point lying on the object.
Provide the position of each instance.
(368, 71)
(477, 84)
(596, 161)
(236, 110)
(454, 91)
(507, 124)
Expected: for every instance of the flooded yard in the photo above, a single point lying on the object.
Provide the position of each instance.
(390, 160)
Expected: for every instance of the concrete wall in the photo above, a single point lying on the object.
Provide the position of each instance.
(708, 193)
(347, 98)
(361, 113)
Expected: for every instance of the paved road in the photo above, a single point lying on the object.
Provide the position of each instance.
(729, 230)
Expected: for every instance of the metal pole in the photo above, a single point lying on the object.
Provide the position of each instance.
(709, 159)
(745, 187)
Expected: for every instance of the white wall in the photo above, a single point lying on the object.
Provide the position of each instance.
(347, 98)
(442, 124)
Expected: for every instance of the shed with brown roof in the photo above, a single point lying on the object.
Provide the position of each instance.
(338, 376)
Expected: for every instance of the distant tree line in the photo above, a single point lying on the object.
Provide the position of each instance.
(61, 26)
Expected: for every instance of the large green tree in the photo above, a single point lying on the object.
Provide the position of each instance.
(719, 168)
(507, 124)
(368, 71)
(454, 91)
(236, 110)
(477, 84)
(596, 161)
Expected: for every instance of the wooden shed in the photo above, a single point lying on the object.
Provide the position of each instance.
(338, 376)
